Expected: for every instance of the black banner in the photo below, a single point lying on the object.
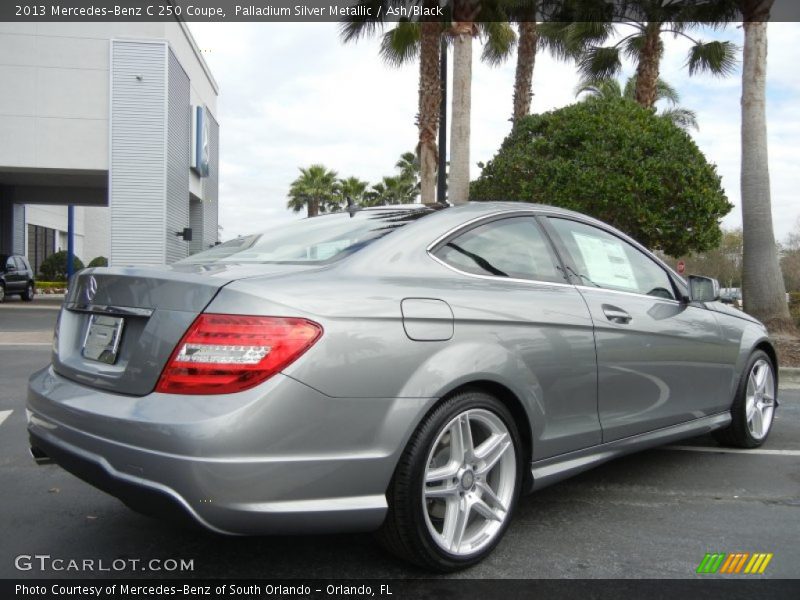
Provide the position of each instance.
(358, 10)
(397, 589)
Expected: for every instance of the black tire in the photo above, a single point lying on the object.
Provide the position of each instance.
(738, 434)
(2, 293)
(405, 532)
(29, 292)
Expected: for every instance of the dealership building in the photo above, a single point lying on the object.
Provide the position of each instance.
(117, 121)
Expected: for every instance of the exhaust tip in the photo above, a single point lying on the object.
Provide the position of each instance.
(40, 457)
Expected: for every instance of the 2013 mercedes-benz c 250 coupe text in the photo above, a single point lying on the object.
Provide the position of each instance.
(404, 369)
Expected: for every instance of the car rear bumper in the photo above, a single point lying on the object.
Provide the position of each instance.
(282, 458)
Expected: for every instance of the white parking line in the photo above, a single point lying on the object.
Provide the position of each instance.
(4, 414)
(734, 450)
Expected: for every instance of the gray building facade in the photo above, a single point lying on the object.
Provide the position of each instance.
(119, 120)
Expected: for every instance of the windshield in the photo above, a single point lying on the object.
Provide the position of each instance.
(311, 241)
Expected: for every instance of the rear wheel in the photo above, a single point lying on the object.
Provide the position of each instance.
(456, 486)
(28, 294)
(2, 292)
(754, 406)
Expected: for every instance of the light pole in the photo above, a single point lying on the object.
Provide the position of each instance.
(441, 187)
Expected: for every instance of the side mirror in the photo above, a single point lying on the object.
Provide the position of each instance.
(703, 289)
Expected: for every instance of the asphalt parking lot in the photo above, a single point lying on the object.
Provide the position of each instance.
(650, 515)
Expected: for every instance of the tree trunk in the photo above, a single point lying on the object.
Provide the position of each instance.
(647, 69)
(523, 80)
(763, 289)
(458, 183)
(313, 207)
(430, 93)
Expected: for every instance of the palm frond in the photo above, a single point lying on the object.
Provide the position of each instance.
(633, 46)
(717, 58)
(600, 88)
(681, 117)
(664, 91)
(599, 62)
(499, 39)
(400, 44)
(355, 28)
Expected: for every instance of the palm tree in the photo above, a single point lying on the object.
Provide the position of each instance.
(391, 190)
(763, 288)
(399, 190)
(649, 19)
(611, 88)
(407, 40)
(408, 164)
(499, 39)
(375, 196)
(316, 190)
(352, 190)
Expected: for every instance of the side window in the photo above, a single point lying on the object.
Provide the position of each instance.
(513, 247)
(604, 260)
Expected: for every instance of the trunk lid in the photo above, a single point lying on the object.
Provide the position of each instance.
(119, 326)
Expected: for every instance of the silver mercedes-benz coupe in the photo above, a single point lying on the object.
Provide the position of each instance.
(405, 369)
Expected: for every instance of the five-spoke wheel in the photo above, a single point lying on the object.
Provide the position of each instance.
(753, 408)
(469, 481)
(456, 485)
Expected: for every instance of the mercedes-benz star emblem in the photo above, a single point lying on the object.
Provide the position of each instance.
(91, 288)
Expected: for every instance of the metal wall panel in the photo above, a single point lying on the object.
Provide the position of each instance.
(196, 223)
(179, 131)
(137, 173)
(18, 229)
(211, 187)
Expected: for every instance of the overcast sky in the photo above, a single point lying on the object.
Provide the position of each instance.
(291, 94)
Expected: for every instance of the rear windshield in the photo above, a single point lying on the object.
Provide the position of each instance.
(311, 241)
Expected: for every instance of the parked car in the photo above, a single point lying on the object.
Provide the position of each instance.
(731, 296)
(16, 277)
(404, 369)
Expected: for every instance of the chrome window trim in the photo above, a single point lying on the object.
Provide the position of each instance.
(106, 309)
(630, 241)
(637, 294)
(537, 282)
(490, 217)
(554, 214)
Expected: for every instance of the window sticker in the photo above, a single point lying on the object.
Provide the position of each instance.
(606, 262)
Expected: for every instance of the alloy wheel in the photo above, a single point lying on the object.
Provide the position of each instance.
(470, 478)
(760, 399)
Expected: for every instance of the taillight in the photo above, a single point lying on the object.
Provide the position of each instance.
(221, 354)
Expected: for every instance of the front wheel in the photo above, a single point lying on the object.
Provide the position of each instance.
(754, 405)
(28, 294)
(456, 486)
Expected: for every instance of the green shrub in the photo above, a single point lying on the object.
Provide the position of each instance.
(618, 162)
(54, 267)
(49, 285)
(98, 261)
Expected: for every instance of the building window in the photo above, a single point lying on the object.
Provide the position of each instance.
(41, 244)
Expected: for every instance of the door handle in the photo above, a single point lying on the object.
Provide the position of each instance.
(616, 315)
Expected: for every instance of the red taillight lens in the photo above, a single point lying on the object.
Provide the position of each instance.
(221, 354)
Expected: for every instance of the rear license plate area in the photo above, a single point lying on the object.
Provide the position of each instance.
(103, 334)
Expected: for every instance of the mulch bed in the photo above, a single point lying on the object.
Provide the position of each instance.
(788, 350)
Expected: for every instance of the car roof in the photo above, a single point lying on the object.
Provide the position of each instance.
(484, 207)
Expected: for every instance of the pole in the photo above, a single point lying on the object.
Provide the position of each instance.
(70, 240)
(441, 188)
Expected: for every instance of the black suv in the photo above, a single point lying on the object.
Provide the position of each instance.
(16, 277)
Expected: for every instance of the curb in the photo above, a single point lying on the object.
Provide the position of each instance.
(789, 376)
